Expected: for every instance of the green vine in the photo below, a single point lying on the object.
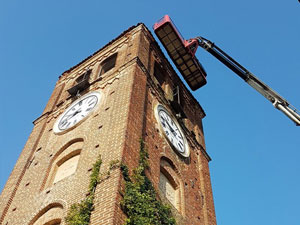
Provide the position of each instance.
(140, 202)
(80, 213)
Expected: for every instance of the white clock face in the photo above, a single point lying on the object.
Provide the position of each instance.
(172, 131)
(77, 111)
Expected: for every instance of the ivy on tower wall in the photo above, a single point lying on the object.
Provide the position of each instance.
(140, 202)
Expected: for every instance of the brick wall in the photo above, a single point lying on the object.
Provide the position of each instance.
(125, 114)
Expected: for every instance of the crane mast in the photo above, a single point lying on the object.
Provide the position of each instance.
(278, 102)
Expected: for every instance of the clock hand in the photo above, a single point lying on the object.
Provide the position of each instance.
(78, 111)
(166, 121)
(74, 114)
(171, 129)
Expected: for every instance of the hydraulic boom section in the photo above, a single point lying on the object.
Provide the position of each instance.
(278, 102)
(182, 52)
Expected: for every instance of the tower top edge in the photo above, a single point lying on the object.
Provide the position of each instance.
(103, 47)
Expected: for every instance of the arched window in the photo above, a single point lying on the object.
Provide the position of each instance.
(81, 83)
(169, 189)
(159, 74)
(52, 222)
(50, 215)
(64, 162)
(66, 167)
(108, 64)
(170, 184)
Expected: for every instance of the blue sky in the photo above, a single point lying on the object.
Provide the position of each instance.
(254, 147)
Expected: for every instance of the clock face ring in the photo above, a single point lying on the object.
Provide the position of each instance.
(77, 111)
(172, 131)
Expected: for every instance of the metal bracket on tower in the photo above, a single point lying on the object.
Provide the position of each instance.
(78, 95)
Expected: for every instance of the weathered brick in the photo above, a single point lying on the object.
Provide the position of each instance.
(125, 114)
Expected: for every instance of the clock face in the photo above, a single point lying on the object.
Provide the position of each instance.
(77, 111)
(172, 131)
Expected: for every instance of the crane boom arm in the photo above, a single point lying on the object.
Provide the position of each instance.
(278, 102)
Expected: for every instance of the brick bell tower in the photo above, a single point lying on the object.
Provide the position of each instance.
(104, 105)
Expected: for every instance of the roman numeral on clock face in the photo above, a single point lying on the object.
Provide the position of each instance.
(180, 145)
